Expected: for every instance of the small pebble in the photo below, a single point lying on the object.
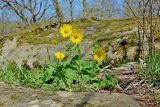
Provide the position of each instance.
(34, 106)
(47, 102)
(64, 94)
(34, 101)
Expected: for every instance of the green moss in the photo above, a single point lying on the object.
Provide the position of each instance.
(114, 25)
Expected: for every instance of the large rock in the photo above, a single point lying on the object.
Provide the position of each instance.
(125, 69)
(8, 47)
(27, 52)
(38, 53)
(23, 97)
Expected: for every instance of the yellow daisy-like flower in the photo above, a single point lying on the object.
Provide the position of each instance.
(77, 36)
(66, 30)
(99, 54)
(59, 55)
(54, 42)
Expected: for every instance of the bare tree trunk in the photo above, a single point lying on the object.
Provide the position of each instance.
(58, 10)
(128, 8)
(84, 8)
(152, 36)
(71, 8)
(110, 10)
(143, 29)
(103, 4)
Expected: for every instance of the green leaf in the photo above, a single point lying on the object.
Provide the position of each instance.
(75, 58)
(103, 83)
(95, 85)
(48, 73)
(87, 64)
(70, 74)
(62, 84)
(86, 78)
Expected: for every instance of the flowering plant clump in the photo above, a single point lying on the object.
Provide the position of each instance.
(76, 72)
(66, 73)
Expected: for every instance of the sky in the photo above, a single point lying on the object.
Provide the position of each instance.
(78, 6)
(65, 7)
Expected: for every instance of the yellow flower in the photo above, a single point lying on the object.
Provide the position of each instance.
(54, 42)
(59, 55)
(77, 36)
(99, 54)
(66, 30)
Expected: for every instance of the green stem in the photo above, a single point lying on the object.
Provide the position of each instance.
(48, 55)
(79, 63)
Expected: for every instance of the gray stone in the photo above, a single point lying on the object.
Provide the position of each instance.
(28, 52)
(103, 100)
(8, 47)
(134, 30)
(63, 99)
(33, 102)
(55, 105)
(111, 54)
(47, 102)
(131, 52)
(129, 68)
(38, 53)
(64, 94)
(89, 31)
(34, 106)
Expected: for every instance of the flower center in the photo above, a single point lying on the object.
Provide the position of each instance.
(65, 31)
(98, 55)
(76, 37)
